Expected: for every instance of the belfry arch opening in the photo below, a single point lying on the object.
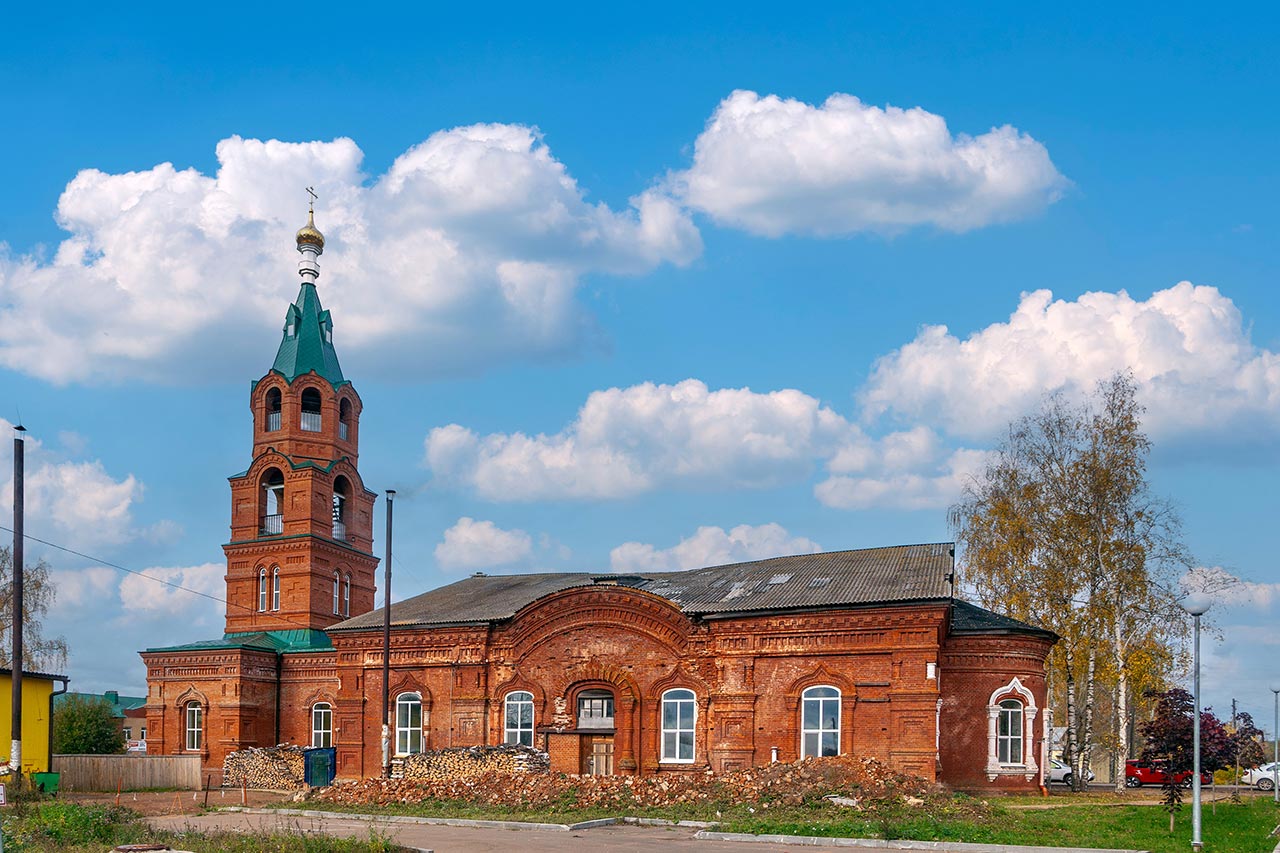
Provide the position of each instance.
(344, 419)
(341, 501)
(272, 514)
(311, 421)
(272, 406)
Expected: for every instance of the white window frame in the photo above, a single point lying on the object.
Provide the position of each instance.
(820, 702)
(322, 724)
(517, 701)
(681, 701)
(275, 587)
(408, 735)
(346, 595)
(262, 590)
(194, 720)
(1027, 767)
(335, 593)
(1009, 734)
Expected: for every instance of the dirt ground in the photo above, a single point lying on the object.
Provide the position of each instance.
(152, 803)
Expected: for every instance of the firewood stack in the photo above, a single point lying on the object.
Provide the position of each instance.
(468, 762)
(278, 768)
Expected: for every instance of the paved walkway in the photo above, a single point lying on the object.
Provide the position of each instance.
(419, 834)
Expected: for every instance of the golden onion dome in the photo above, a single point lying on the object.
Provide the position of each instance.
(309, 234)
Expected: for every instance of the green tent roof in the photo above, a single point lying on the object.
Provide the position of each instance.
(307, 344)
(294, 640)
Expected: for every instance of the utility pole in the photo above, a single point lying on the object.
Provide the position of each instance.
(386, 648)
(19, 489)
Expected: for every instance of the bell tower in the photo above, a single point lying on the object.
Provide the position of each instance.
(300, 554)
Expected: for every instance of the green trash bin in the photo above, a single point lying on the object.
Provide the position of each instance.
(45, 782)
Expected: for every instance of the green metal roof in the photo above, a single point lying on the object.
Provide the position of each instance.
(283, 642)
(310, 346)
(119, 704)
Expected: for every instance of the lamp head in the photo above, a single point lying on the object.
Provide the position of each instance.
(1275, 687)
(1197, 604)
(391, 495)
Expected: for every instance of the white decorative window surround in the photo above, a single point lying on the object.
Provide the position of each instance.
(1024, 764)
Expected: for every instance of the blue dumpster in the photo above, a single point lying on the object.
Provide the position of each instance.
(320, 764)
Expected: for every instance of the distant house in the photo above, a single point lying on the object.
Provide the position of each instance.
(38, 696)
(129, 712)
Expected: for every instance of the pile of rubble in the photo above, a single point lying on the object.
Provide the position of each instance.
(847, 777)
(279, 768)
(468, 762)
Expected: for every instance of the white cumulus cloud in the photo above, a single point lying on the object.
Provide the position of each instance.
(712, 546)
(472, 544)
(468, 250)
(629, 441)
(774, 166)
(79, 501)
(191, 592)
(1187, 346)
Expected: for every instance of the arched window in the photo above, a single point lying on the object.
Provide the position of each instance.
(408, 723)
(262, 590)
(194, 725)
(335, 594)
(518, 716)
(344, 419)
(820, 722)
(1009, 732)
(273, 410)
(341, 492)
(678, 715)
(311, 410)
(322, 724)
(595, 709)
(346, 596)
(275, 588)
(1011, 714)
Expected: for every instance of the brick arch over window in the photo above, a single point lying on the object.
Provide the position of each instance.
(192, 696)
(819, 676)
(1013, 692)
(406, 683)
(541, 711)
(602, 606)
(594, 674)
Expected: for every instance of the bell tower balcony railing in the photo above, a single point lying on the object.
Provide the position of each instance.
(342, 430)
(272, 525)
(311, 421)
(340, 531)
(273, 421)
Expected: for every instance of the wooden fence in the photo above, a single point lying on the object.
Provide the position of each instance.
(127, 772)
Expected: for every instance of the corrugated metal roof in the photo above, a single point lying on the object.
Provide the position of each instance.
(868, 576)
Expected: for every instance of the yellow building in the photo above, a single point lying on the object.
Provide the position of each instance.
(37, 718)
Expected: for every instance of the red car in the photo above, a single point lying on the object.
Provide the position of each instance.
(1138, 773)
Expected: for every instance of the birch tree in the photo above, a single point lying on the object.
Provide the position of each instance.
(1061, 530)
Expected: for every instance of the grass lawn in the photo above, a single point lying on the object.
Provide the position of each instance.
(50, 825)
(1235, 828)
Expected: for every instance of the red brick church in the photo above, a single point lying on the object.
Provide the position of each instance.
(863, 652)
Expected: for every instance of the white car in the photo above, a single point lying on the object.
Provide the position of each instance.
(1263, 778)
(1059, 772)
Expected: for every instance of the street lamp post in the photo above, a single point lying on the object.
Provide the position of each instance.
(1275, 738)
(1196, 608)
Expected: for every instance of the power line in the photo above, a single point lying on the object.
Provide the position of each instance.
(141, 574)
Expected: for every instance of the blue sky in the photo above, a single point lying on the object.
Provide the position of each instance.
(633, 288)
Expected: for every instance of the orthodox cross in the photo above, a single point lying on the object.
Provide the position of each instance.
(312, 192)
